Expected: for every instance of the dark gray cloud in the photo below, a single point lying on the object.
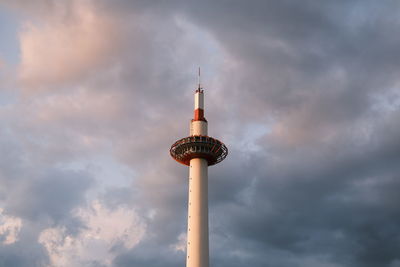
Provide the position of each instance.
(65, 189)
(145, 254)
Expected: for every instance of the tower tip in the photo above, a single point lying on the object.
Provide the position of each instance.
(199, 88)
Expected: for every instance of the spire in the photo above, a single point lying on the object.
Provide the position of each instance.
(199, 88)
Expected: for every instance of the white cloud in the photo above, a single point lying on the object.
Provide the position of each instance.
(106, 233)
(9, 228)
(180, 245)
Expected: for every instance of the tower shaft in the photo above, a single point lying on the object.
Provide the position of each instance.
(197, 232)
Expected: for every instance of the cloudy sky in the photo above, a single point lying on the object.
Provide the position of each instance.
(305, 94)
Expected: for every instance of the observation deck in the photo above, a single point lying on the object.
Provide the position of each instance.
(199, 146)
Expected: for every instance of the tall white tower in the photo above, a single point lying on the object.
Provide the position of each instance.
(198, 151)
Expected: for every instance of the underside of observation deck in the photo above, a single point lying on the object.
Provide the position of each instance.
(198, 146)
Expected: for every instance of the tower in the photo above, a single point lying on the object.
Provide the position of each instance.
(198, 151)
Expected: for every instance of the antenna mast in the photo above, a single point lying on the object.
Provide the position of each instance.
(199, 88)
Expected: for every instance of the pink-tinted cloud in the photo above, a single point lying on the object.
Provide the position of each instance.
(67, 44)
(10, 227)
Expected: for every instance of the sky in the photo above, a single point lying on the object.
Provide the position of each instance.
(305, 95)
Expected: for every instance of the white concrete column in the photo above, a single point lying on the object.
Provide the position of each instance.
(199, 100)
(197, 232)
(198, 128)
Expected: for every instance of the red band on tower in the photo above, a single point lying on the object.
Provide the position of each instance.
(199, 115)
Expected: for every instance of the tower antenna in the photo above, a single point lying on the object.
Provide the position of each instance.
(199, 88)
